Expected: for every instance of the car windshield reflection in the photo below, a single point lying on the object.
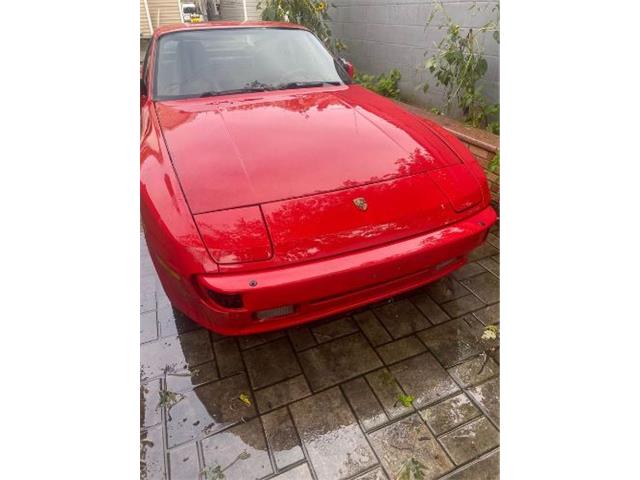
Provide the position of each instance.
(215, 62)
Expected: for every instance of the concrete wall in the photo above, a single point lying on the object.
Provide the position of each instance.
(386, 34)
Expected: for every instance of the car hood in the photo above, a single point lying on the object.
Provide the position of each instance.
(252, 149)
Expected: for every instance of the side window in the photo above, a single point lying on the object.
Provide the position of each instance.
(145, 63)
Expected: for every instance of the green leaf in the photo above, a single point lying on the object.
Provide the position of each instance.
(494, 164)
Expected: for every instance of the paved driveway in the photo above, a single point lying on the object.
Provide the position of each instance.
(403, 385)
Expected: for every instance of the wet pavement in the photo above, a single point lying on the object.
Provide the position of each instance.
(408, 385)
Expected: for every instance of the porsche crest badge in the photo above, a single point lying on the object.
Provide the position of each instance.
(361, 203)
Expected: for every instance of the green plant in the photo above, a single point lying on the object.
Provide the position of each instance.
(168, 399)
(405, 400)
(458, 65)
(385, 84)
(412, 469)
(493, 111)
(310, 13)
(494, 163)
(216, 472)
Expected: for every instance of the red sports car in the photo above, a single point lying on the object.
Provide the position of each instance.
(275, 191)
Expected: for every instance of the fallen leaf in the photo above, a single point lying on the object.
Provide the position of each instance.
(245, 399)
(490, 332)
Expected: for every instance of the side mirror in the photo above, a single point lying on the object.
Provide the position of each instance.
(348, 66)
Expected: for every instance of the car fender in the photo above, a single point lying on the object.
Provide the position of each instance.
(166, 217)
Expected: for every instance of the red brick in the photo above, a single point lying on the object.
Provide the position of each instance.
(480, 153)
(484, 163)
(492, 177)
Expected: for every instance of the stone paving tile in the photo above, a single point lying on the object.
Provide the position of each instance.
(148, 326)
(146, 264)
(486, 286)
(388, 391)
(423, 378)
(161, 297)
(429, 308)
(271, 363)
(377, 474)
(364, 403)
(183, 462)
(489, 315)
(150, 414)
(175, 353)
(172, 322)
(484, 250)
(460, 306)
(147, 293)
(372, 328)
(151, 454)
(333, 329)
(495, 354)
(228, 357)
(187, 380)
(331, 435)
(475, 370)
(208, 409)
(301, 472)
(147, 302)
(225, 447)
(405, 439)
(450, 413)
(493, 240)
(250, 341)
(454, 341)
(400, 349)
(469, 270)
(487, 468)
(470, 440)
(488, 396)
(301, 338)
(282, 393)
(401, 318)
(491, 265)
(337, 361)
(446, 289)
(207, 373)
(282, 438)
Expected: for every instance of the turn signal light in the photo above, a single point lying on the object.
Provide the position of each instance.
(226, 300)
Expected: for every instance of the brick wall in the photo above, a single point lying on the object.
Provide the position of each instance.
(385, 34)
(484, 145)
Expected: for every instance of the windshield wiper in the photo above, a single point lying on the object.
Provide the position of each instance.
(237, 90)
(262, 87)
(306, 84)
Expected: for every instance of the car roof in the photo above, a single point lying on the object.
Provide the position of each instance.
(177, 27)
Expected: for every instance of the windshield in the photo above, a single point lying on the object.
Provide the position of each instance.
(223, 61)
(189, 9)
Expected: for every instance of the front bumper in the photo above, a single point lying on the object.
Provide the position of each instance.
(334, 285)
